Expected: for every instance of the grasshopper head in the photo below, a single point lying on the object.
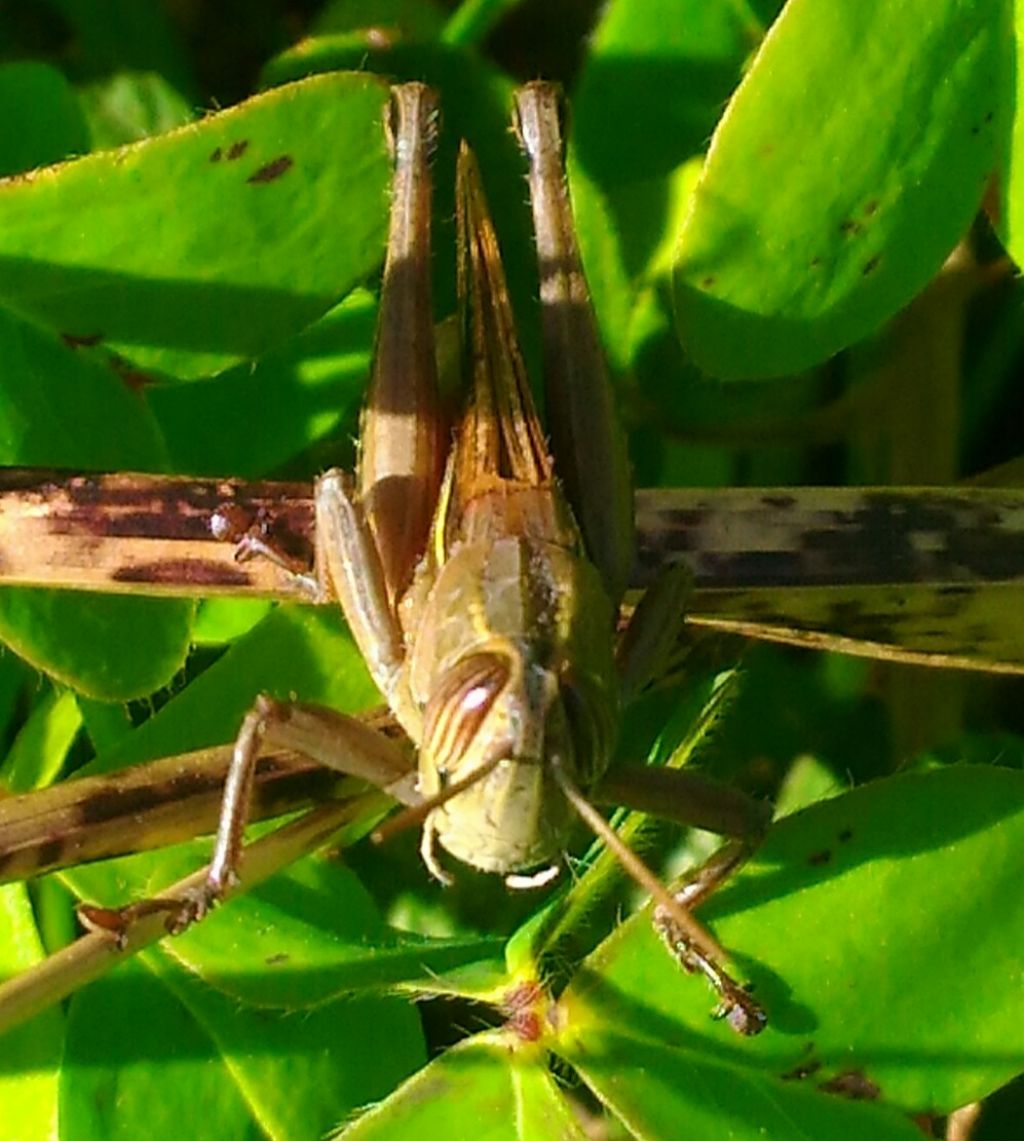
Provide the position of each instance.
(499, 716)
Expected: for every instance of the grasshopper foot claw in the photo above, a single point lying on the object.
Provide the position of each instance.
(742, 1012)
(196, 904)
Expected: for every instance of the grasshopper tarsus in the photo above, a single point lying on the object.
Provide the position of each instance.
(737, 1007)
(255, 536)
(736, 1004)
(194, 906)
(743, 1014)
(117, 922)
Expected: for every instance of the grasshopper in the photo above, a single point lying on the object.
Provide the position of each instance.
(482, 580)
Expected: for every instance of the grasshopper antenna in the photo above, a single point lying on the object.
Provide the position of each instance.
(417, 813)
(421, 814)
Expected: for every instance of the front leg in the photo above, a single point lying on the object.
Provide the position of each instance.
(333, 739)
(348, 558)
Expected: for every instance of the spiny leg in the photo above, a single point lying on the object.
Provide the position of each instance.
(333, 739)
(697, 801)
(685, 797)
(688, 939)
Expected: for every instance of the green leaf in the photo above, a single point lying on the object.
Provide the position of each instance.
(126, 108)
(288, 1077)
(1009, 217)
(112, 649)
(256, 221)
(42, 744)
(864, 941)
(294, 652)
(819, 217)
(31, 1054)
(658, 1091)
(293, 398)
(480, 1081)
(220, 620)
(40, 121)
(630, 152)
(63, 408)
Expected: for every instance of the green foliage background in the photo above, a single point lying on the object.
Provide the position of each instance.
(764, 192)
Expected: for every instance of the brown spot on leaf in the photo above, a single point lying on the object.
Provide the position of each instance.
(134, 379)
(818, 859)
(236, 150)
(845, 836)
(870, 207)
(272, 170)
(708, 281)
(850, 226)
(216, 154)
(802, 1070)
(81, 340)
(871, 265)
(854, 1084)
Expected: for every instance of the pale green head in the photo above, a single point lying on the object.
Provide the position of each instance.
(500, 713)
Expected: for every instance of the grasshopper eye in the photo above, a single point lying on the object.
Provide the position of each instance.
(459, 705)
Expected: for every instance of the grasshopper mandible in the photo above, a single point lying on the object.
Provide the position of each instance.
(482, 579)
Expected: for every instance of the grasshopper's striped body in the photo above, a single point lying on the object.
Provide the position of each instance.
(508, 625)
(483, 598)
(481, 576)
(486, 615)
